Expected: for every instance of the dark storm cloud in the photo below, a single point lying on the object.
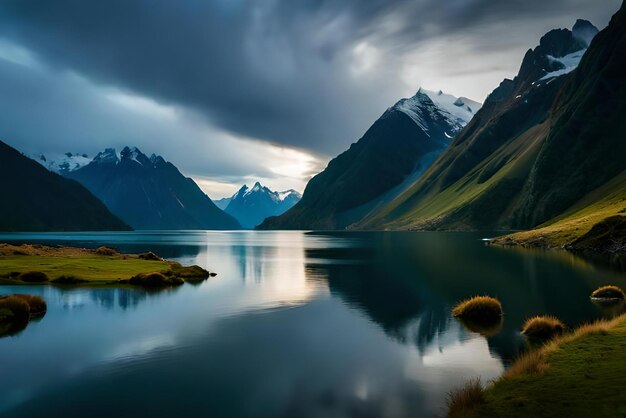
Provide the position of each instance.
(285, 71)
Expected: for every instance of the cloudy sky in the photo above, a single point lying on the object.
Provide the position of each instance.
(232, 91)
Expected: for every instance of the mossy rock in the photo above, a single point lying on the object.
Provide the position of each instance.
(155, 279)
(33, 277)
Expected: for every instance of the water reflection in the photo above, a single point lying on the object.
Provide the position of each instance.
(294, 325)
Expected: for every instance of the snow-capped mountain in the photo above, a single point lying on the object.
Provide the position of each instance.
(250, 206)
(399, 147)
(582, 33)
(429, 105)
(149, 192)
(63, 163)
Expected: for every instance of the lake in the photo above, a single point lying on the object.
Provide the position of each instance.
(295, 324)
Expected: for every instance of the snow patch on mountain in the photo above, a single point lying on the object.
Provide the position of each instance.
(63, 163)
(569, 63)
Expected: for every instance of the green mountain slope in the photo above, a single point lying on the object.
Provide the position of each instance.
(536, 148)
(35, 199)
(405, 140)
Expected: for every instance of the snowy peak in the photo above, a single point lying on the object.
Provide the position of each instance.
(108, 156)
(63, 163)
(428, 107)
(559, 52)
(251, 205)
(128, 155)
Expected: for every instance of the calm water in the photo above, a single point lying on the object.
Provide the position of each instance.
(294, 325)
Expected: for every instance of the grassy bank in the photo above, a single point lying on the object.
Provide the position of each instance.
(575, 228)
(67, 265)
(581, 374)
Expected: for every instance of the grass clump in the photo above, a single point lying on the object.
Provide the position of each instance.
(191, 272)
(155, 279)
(106, 251)
(12, 307)
(479, 310)
(36, 304)
(150, 256)
(608, 293)
(68, 279)
(543, 327)
(462, 402)
(33, 277)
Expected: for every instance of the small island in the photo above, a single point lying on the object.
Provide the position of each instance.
(105, 266)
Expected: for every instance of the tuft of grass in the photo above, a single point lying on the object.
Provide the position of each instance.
(150, 256)
(191, 272)
(33, 277)
(155, 279)
(68, 279)
(609, 293)
(37, 304)
(106, 251)
(463, 402)
(543, 327)
(14, 307)
(479, 309)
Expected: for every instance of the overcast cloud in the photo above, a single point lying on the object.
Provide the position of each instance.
(237, 90)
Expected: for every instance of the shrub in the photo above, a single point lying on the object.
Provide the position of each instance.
(68, 279)
(479, 309)
(463, 401)
(37, 304)
(543, 327)
(150, 256)
(608, 293)
(107, 251)
(33, 277)
(155, 279)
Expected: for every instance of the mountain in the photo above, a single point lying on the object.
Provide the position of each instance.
(250, 206)
(62, 164)
(149, 192)
(395, 150)
(546, 144)
(35, 199)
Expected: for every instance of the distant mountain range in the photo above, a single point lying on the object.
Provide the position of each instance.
(147, 192)
(395, 150)
(35, 199)
(250, 206)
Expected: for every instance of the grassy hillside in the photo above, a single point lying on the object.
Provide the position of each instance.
(578, 375)
(532, 153)
(605, 202)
